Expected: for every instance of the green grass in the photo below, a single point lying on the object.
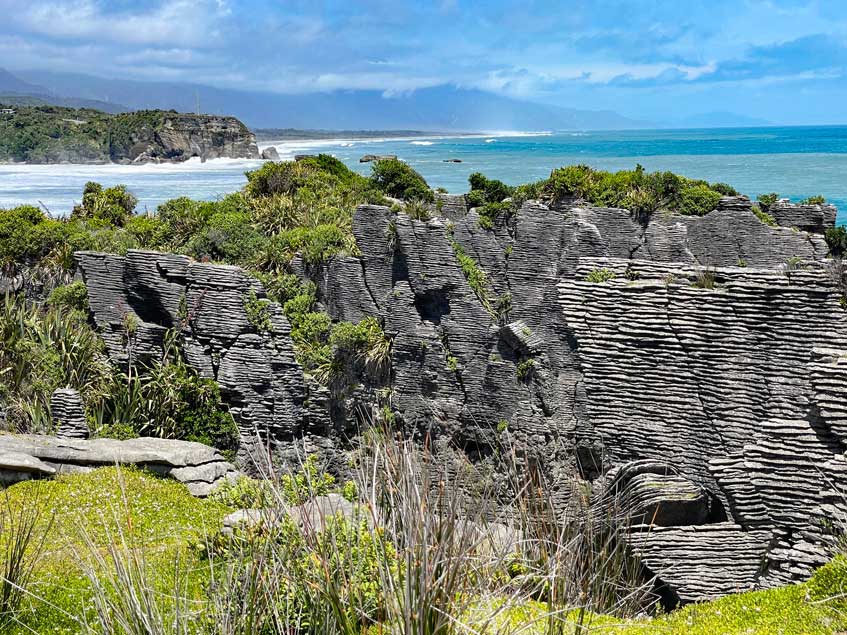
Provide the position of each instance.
(167, 530)
(811, 608)
(160, 516)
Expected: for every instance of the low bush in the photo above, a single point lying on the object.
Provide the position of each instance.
(73, 296)
(42, 349)
(814, 200)
(637, 190)
(763, 216)
(168, 399)
(768, 200)
(113, 205)
(836, 240)
(487, 195)
(258, 313)
(398, 180)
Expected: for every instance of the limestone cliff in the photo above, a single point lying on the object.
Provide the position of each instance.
(694, 366)
(49, 134)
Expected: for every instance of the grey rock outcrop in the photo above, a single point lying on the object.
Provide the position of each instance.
(179, 137)
(311, 516)
(367, 158)
(270, 154)
(68, 414)
(702, 382)
(197, 466)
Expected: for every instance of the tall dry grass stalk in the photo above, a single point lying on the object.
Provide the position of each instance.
(416, 554)
(23, 536)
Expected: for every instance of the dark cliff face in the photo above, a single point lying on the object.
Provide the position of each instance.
(694, 365)
(178, 137)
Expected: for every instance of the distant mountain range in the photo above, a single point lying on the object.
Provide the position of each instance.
(16, 92)
(443, 108)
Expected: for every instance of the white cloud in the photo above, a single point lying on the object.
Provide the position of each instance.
(174, 22)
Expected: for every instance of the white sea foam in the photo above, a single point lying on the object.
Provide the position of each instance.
(491, 141)
(421, 143)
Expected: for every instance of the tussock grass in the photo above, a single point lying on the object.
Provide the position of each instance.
(425, 552)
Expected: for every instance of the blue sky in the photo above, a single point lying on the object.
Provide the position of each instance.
(781, 60)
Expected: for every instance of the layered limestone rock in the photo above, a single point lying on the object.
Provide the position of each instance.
(699, 380)
(197, 466)
(68, 414)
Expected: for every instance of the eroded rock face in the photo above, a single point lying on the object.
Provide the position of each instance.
(701, 378)
(68, 414)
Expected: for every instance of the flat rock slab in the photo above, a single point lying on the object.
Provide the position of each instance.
(111, 451)
(201, 468)
(22, 462)
(313, 515)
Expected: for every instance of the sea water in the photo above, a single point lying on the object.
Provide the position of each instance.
(795, 162)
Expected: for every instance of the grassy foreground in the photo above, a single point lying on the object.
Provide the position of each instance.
(120, 542)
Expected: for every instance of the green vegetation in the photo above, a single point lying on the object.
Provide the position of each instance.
(705, 279)
(42, 133)
(258, 313)
(487, 195)
(525, 369)
(165, 398)
(128, 548)
(836, 239)
(768, 200)
(474, 274)
(814, 200)
(398, 180)
(600, 275)
(73, 296)
(636, 190)
(763, 216)
(44, 348)
(112, 206)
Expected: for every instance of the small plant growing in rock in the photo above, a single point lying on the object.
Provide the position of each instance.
(391, 235)
(182, 310)
(768, 200)
(836, 240)
(130, 324)
(452, 363)
(794, 263)
(258, 313)
(705, 279)
(525, 369)
(502, 426)
(631, 274)
(418, 210)
(598, 276)
(763, 216)
(742, 262)
(668, 279)
(503, 305)
(814, 200)
(475, 275)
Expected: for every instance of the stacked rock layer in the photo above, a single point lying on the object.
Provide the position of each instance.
(693, 367)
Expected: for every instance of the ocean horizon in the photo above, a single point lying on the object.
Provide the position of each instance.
(796, 162)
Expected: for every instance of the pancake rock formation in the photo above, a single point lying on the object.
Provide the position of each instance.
(692, 367)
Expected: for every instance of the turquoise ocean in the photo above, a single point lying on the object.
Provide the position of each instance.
(795, 162)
